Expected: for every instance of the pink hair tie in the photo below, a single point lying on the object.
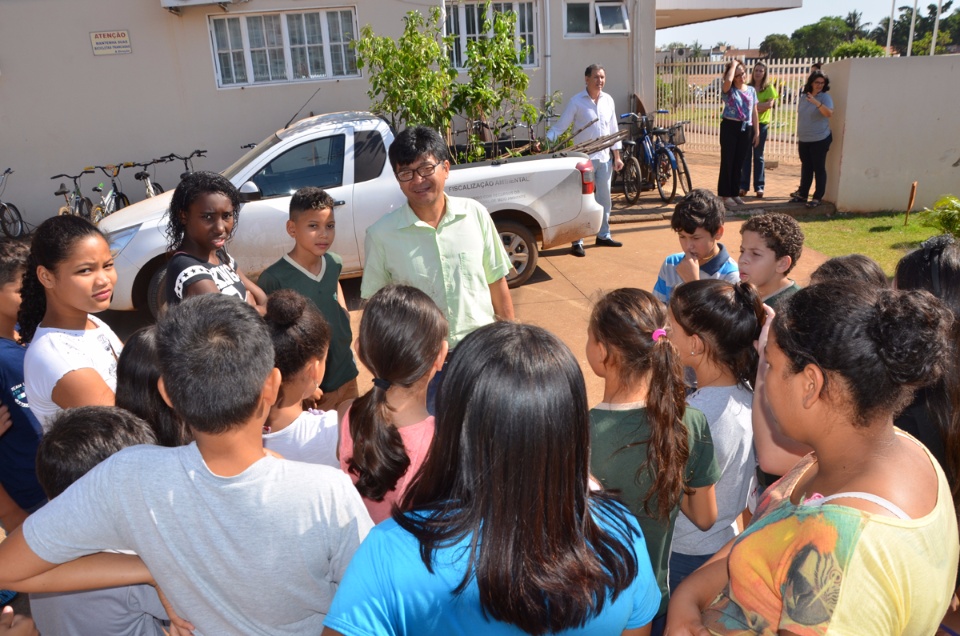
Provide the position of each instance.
(657, 334)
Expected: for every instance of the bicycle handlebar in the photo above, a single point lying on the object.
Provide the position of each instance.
(85, 171)
(195, 153)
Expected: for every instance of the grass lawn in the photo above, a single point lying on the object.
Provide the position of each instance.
(881, 236)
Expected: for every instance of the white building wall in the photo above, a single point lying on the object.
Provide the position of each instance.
(895, 122)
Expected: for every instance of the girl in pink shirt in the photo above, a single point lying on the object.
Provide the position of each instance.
(386, 433)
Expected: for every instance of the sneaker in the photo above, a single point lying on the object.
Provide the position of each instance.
(738, 201)
(795, 193)
(812, 203)
(759, 194)
(796, 198)
(729, 202)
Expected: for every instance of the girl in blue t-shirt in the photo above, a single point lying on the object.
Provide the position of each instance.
(505, 535)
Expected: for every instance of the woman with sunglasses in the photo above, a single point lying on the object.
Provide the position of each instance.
(739, 130)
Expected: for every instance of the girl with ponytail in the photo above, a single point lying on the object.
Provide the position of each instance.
(713, 324)
(300, 337)
(647, 445)
(386, 433)
(860, 537)
(72, 355)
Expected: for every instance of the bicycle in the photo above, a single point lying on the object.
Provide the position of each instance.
(630, 177)
(187, 161)
(152, 187)
(77, 204)
(658, 165)
(10, 220)
(114, 199)
(675, 139)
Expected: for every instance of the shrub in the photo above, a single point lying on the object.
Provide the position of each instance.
(944, 215)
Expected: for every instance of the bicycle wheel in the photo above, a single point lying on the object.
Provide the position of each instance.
(121, 201)
(10, 220)
(157, 189)
(666, 176)
(97, 214)
(683, 173)
(86, 207)
(632, 180)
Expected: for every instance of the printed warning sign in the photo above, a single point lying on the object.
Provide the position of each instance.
(111, 42)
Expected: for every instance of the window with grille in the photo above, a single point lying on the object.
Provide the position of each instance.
(465, 18)
(284, 47)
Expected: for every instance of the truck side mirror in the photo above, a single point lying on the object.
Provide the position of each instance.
(250, 192)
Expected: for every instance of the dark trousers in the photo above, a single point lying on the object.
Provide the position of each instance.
(757, 157)
(736, 140)
(813, 162)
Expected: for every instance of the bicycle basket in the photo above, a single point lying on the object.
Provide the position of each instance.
(677, 136)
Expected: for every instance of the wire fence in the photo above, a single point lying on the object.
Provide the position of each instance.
(690, 90)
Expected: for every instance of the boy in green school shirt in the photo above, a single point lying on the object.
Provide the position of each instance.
(310, 269)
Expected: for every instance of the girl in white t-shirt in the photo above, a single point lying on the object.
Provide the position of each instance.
(300, 339)
(71, 359)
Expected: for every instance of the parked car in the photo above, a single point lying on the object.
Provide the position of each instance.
(542, 198)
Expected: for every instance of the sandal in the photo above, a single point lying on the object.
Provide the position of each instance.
(812, 203)
(796, 198)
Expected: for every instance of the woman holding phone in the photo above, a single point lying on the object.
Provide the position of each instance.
(813, 137)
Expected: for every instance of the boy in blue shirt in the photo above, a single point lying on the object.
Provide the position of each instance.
(20, 492)
(698, 222)
(313, 271)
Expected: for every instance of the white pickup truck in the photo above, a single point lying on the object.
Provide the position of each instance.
(545, 198)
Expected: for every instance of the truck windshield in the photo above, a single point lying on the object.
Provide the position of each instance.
(247, 158)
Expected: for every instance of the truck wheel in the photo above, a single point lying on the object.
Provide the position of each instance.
(157, 291)
(522, 251)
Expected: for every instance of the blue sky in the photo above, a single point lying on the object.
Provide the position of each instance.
(753, 29)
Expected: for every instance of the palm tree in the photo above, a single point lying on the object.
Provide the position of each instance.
(858, 28)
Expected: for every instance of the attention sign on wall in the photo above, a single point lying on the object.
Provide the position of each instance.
(111, 42)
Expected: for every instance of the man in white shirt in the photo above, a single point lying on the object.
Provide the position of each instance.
(585, 107)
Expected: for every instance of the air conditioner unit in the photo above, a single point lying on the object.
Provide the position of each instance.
(176, 4)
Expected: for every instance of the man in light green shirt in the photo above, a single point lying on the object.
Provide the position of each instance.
(448, 247)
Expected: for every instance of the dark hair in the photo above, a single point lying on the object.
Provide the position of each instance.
(82, 437)
(590, 69)
(700, 208)
(298, 330)
(766, 77)
(727, 317)
(191, 188)
(413, 143)
(309, 198)
(13, 259)
(817, 74)
(138, 370)
(513, 444)
(882, 344)
(51, 245)
(401, 334)
(215, 354)
(780, 232)
(935, 267)
(624, 321)
(852, 269)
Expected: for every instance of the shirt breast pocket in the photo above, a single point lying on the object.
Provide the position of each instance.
(472, 272)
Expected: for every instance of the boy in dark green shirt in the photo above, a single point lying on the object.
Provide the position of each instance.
(315, 273)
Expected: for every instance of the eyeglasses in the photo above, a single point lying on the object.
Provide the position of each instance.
(819, 83)
(423, 171)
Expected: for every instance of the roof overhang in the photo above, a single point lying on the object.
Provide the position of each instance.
(674, 13)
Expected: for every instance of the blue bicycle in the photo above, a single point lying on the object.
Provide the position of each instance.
(658, 164)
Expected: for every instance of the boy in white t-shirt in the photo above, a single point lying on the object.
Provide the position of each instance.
(240, 541)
